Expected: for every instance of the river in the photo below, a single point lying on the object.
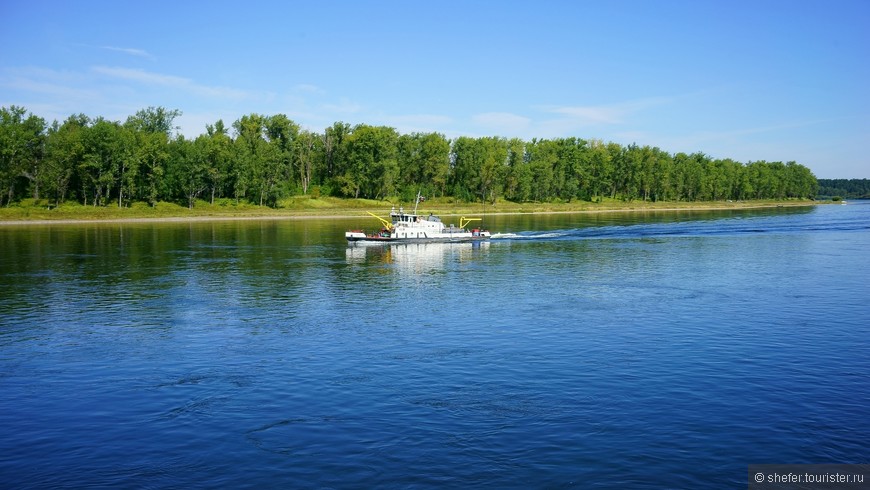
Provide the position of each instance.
(615, 350)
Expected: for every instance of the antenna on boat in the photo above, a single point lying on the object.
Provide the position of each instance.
(483, 207)
(416, 202)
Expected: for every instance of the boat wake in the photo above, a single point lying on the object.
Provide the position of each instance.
(530, 235)
(628, 232)
(738, 226)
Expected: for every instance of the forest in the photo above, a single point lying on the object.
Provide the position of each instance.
(263, 159)
(845, 188)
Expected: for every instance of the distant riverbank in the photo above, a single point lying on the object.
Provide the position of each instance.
(323, 208)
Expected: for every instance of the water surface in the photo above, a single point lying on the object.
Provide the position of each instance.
(643, 350)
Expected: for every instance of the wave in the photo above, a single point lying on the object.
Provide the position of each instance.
(529, 235)
(741, 226)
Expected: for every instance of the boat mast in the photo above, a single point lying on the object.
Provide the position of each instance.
(416, 202)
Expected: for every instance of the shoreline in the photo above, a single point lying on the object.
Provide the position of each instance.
(360, 213)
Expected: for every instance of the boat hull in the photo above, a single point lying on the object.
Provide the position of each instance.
(354, 237)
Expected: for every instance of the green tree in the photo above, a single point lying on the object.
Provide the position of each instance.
(479, 167)
(154, 120)
(65, 153)
(153, 128)
(662, 176)
(743, 184)
(152, 155)
(281, 133)
(247, 169)
(109, 150)
(218, 155)
(626, 172)
(424, 162)
(128, 167)
(190, 166)
(758, 179)
(373, 168)
(571, 171)
(690, 170)
(308, 149)
(800, 181)
(645, 173)
(600, 166)
(269, 157)
(518, 181)
(335, 163)
(543, 157)
(22, 147)
(848, 188)
(410, 171)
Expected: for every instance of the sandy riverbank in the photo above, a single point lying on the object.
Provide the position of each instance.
(438, 210)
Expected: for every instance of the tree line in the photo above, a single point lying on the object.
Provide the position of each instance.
(262, 159)
(847, 188)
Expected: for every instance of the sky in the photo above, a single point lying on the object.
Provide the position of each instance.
(748, 80)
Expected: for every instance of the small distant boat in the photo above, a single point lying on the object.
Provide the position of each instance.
(412, 227)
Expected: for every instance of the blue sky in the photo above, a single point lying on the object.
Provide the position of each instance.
(748, 80)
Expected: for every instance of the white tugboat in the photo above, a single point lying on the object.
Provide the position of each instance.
(411, 227)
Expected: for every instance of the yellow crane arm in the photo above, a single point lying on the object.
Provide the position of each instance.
(465, 221)
(387, 224)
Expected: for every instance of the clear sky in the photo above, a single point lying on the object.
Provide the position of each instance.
(748, 80)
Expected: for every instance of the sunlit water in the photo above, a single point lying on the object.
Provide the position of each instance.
(590, 351)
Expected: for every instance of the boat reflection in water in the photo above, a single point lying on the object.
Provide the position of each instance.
(415, 257)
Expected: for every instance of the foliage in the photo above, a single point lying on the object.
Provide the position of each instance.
(845, 188)
(22, 151)
(270, 161)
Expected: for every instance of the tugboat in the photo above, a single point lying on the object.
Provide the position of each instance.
(411, 227)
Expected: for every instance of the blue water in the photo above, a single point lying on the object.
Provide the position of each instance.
(665, 350)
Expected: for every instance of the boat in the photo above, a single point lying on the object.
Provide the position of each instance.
(405, 227)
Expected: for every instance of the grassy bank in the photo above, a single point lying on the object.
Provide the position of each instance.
(30, 210)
